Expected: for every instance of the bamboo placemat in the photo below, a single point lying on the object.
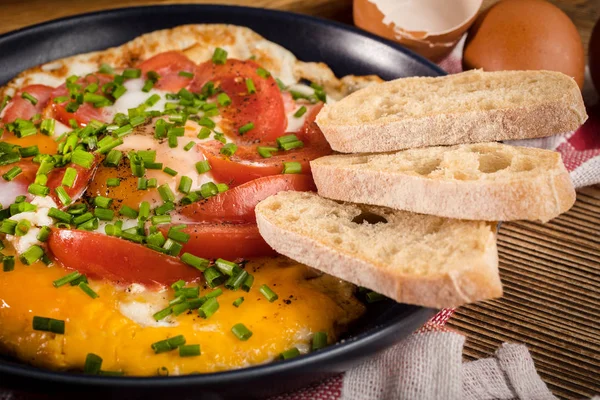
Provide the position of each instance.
(551, 302)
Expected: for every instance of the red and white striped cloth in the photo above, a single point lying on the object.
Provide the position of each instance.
(580, 151)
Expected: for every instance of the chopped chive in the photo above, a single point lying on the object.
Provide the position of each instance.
(241, 332)
(128, 212)
(162, 314)
(144, 211)
(152, 183)
(43, 234)
(237, 302)
(12, 173)
(93, 364)
(172, 141)
(48, 325)
(102, 202)
(113, 158)
(247, 285)
(83, 218)
(186, 74)
(165, 208)
(209, 189)
(265, 152)
(214, 277)
(189, 292)
(228, 268)
(185, 184)
(106, 69)
(142, 184)
(122, 131)
(194, 261)
(8, 263)
(263, 73)
(152, 100)
(113, 182)
(219, 56)
(188, 146)
(104, 214)
(206, 122)
(148, 85)
(291, 353)
(245, 128)
(160, 219)
(168, 344)
(268, 293)
(41, 180)
(166, 193)
(30, 151)
(59, 215)
(88, 290)
(132, 73)
(82, 158)
(63, 196)
(47, 126)
(90, 225)
(222, 187)
(292, 167)
(209, 307)
(178, 235)
(236, 280)
(189, 350)
(29, 98)
(170, 171)
(250, 86)
(203, 166)
(69, 177)
(178, 285)
(300, 112)
(223, 99)
(22, 227)
(172, 247)
(204, 133)
(229, 149)
(8, 226)
(38, 190)
(319, 341)
(215, 293)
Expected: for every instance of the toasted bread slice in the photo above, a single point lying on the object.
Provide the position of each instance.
(487, 181)
(469, 107)
(411, 258)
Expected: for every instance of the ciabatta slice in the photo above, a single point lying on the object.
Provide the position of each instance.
(486, 181)
(469, 107)
(411, 258)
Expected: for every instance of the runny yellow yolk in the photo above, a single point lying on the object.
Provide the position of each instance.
(97, 325)
(45, 143)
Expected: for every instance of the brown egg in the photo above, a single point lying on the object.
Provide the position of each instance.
(431, 28)
(525, 35)
(594, 54)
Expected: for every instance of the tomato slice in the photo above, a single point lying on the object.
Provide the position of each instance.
(83, 179)
(86, 111)
(264, 108)
(246, 164)
(19, 107)
(229, 241)
(237, 205)
(101, 256)
(168, 65)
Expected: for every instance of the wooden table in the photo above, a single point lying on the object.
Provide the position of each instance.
(551, 272)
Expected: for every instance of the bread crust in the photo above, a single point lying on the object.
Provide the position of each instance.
(534, 196)
(476, 278)
(473, 125)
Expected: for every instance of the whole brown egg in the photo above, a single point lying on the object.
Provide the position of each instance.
(594, 54)
(525, 35)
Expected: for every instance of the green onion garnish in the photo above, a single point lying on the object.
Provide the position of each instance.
(102, 202)
(104, 214)
(93, 364)
(185, 184)
(237, 302)
(48, 325)
(186, 74)
(172, 247)
(265, 152)
(160, 219)
(203, 166)
(178, 235)
(168, 344)
(82, 158)
(132, 73)
(59, 215)
(113, 158)
(229, 149)
(43, 234)
(166, 194)
(319, 341)
(63, 196)
(208, 308)
(268, 293)
(214, 277)
(29, 98)
(30, 151)
(170, 171)
(142, 184)
(206, 122)
(12, 173)
(128, 212)
(247, 285)
(113, 182)
(250, 86)
(292, 167)
(241, 332)
(106, 69)
(194, 261)
(88, 290)
(188, 146)
(263, 73)
(289, 142)
(144, 212)
(162, 314)
(204, 133)
(223, 99)
(47, 126)
(300, 112)
(69, 177)
(38, 190)
(228, 268)
(245, 128)
(8, 263)
(291, 353)
(22, 227)
(219, 56)
(189, 350)
(236, 280)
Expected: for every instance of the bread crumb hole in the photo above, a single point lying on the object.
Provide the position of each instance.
(292, 218)
(275, 206)
(337, 240)
(369, 218)
(489, 163)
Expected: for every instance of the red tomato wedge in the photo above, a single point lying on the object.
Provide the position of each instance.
(224, 241)
(246, 164)
(18, 107)
(264, 108)
(101, 256)
(86, 111)
(237, 205)
(83, 179)
(168, 66)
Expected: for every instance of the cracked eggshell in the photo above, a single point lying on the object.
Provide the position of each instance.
(431, 28)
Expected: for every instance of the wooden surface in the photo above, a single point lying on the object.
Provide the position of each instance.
(551, 272)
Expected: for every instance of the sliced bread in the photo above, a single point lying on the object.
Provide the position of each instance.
(411, 258)
(469, 107)
(487, 181)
